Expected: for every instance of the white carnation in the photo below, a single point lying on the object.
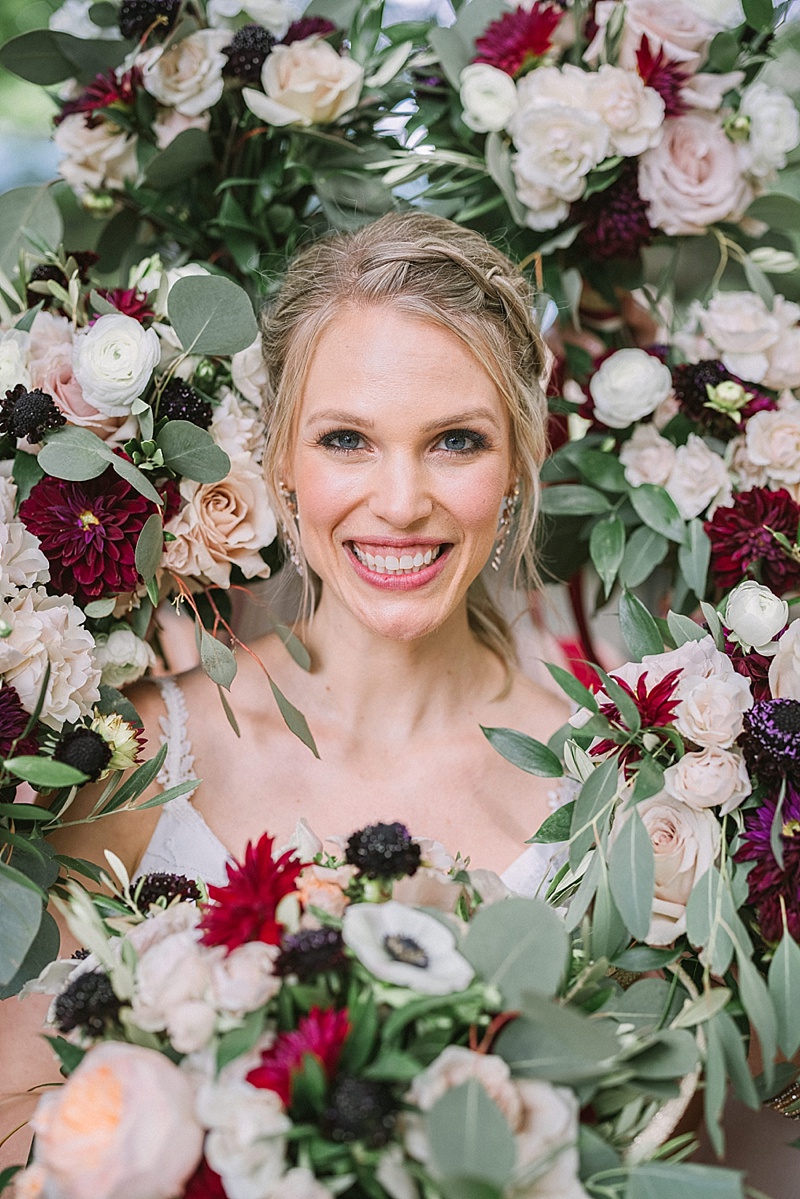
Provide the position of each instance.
(113, 361)
(699, 478)
(122, 656)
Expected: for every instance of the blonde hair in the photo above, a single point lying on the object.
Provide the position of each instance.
(432, 268)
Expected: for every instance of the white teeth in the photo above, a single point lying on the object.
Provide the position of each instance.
(428, 558)
(392, 563)
(406, 564)
(419, 559)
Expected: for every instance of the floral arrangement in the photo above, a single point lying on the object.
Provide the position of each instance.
(220, 131)
(681, 772)
(686, 461)
(310, 1029)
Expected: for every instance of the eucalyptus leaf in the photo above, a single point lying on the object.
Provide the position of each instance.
(26, 473)
(555, 828)
(777, 210)
(758, 1004)
(211, 315)
(183, 157)
(657, 509)
(218, 660)
(645, 1004)
(606, 549)
(601, 469)
(73, 453)
(25, 324)
(593, 799)
(525, 752)
(149, 547)
(41, 951)
(684, 629)
(44, 772)
(572, 687)
(710, 906)
(665, 1180)
(631, 869)
(97, 609)
(671, 1054)
(784, 989)
(22, 916)
(608, 933)
(703, 1008)
(734, 1049)
(294, 719)
(638, 628)
(191, 451)
(295, 646)
(557, 1043)
(573, 499)
(694, 557)
(470, 1137)
(498, 164)
(519, 946)
(644, 551)
(27, 212)
(48, 56)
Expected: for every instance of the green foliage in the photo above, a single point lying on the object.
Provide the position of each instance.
(29, 218)
(21, 905)
(470, 1138)
(191, 451)
(525, 752)
(519, 946)
(211, 315)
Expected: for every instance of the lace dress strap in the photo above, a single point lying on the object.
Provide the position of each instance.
(179, 762)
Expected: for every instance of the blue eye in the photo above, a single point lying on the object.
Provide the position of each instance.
(462, 441)
(344, 440)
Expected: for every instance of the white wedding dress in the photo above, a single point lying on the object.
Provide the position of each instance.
(182, 842)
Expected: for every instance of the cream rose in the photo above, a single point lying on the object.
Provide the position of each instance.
(772, 440)
(754, 616)
(633, 112)
(709, 778)
(170, 122)
(677, 28)
(94, 158)
(122, 656)
(630, 384)
(306, 83)
(173, 978)
(122, 1127)
(14, 360)
(742, 330)
(222, 524)
(774, 128)
(711, 710)
(693, 178)
(488, 97)
(784, 669)
(685, 844)
(187, 75)
(245, 978)
(647, 456)
(698, 480)
(113, 361)
(783, 357)
(249, 373)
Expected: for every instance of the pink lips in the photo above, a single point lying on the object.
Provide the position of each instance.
(389, 582)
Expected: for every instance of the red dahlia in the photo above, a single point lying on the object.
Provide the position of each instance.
(516, 41)
(656, 707)
(128, 301)
(13, 722)
(663, 75)
(320, 1034)
(105, 91)
(245, 909)
(88, 532)
(742, 546)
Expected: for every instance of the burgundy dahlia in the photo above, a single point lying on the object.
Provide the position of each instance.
(752, 666)
(656, 709)
(771, 740)
(743, 547)
(516, 41)
(105, 91)
(13, 722)
(614, 221)
(128, 301)
(205, 1183)
(768, 882)
(245, 909)
(88, 532)
(320, 1034)
(663, 75)
(298, 31)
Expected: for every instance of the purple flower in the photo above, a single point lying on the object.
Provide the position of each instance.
(13, 720)
(771, 740)
(768, 882)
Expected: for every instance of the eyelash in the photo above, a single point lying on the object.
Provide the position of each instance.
(479, 441)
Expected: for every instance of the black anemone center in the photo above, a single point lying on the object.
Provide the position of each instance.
(406, 950)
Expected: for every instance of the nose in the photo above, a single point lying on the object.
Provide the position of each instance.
(401, 494)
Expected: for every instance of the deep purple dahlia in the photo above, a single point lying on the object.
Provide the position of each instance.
(742, 546)
(768, 882)
(13, 719)
(614, 220)
(771, 740)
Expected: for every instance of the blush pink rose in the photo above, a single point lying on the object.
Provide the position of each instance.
(673, 26)
(693, 178)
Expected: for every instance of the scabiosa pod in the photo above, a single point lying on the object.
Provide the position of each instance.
(29, 414)
(383, 851)
(246, 909)
(771, 740)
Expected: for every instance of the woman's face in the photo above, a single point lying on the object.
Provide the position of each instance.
(401, 459)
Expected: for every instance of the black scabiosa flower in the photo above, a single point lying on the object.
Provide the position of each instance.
(88, 1003)
(310, 952)
(29, 414)
(247, 53)
(360, 1110)
(771, 740)
(86, 750)
(696, 385)
(179, 401)
(153, 888)
(136, 16)
(383, 851)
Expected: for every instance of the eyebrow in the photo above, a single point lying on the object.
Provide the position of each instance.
(457, 419)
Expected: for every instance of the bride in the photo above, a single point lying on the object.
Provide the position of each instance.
(405, 430)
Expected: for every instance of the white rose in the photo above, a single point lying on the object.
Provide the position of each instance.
(755, 616)
(699, 478)
(306, 83)
(647, 456)
(693, 178)
(187, 75)
(488, 97)
(237, 427)
(169, 973)
(170, 122)
(707, 91)
(47, 630)
(784, 669)
(774, 128)
(711, 710)
(274, 15)
(772, 440)
(783, 369)
(73, 17)
(633, 112)
(709, 778)
(246, 1142)
(249, 373)
(629, 385)
(113, 361)
(122, 656)
(14, 345)
(699, 659)
(22, 563)
(742, 330)
(245, 979)
(685, 843)
(95, 158)
(673, 26)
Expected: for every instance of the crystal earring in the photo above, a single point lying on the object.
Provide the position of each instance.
(290, 499)
(503, 528)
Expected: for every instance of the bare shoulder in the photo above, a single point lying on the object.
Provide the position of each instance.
(532, 709)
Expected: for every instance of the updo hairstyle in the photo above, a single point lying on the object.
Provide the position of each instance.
(433, 269)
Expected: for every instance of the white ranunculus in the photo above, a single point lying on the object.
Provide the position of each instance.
(711, 710)
(630, 384)
(784, 669)
(14, 345)
(122, 656)
(407, 947)
(673, 26)
(772, 440)
(95, 158)
(246, 1142)
(647, 456)
(488, 97)
(698, 480)
(274, 15)
(113, 361)
(305, 83)
(709, 778)
(685, 844)
(633, 112)
(774, 128)
(754, 615)
(73, 17)
(186, 75)
(47, 630)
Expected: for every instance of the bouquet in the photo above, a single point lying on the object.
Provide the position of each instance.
(311, 1029)
(682, 825)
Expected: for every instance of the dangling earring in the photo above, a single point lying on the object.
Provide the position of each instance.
(509, 508)
(290, 500)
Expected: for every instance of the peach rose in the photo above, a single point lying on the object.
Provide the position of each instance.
(306, 83)
(323, 887)
(693, 177)
(122, 1127)
(222, 524)
(711, 710)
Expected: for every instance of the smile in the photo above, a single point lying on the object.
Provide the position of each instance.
(394, 564)
(399, 567)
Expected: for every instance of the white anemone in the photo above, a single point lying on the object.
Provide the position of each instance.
(404, 946)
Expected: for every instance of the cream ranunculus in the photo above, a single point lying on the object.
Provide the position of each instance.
(122, 656)
(774, 128)
(221, 525)
(699, 478)
(186, 75)
(685, 844)
(488, 97)
(693, 178)
(630, 384)
(772, 440)
(14, 359)
(674, 26)
(48, 630)
(94, 158)
(122, 1127)
(113, 361)
(784, 669)
(711, 710)
(633, 112)
(306, 83)
(647, 456)
(754, 616)
(407, 947)
(709, 778)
